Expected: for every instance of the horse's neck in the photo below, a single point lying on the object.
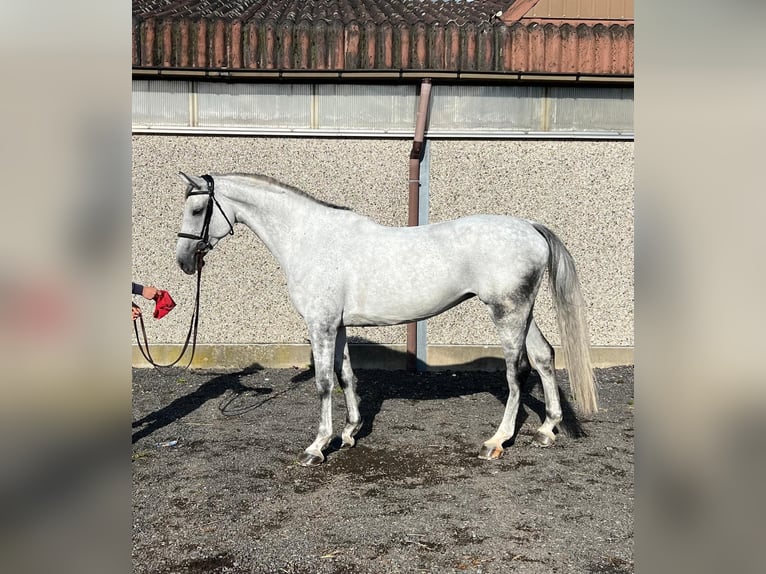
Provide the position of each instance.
(277, 217)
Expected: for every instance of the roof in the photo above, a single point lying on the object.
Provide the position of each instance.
(346, 11)
(604, 11)
(450, 36)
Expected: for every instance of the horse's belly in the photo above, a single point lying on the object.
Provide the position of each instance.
(392, 305)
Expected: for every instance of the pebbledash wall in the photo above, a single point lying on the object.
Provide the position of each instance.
(581, 189)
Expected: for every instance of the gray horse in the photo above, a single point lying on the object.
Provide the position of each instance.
(343, 269)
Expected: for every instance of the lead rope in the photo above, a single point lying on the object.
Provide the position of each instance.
(191, 335)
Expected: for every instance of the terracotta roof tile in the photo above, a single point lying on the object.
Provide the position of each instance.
(438, 35)
(346, 11)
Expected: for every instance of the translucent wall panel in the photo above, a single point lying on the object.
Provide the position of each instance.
(590, 109)
(486, 108)
(161, 103)
(254, 105)
(456, 110)
(366, 107)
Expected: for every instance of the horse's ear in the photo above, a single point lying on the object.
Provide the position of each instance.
(195, 182)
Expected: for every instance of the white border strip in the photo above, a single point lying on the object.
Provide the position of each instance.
(402, 134)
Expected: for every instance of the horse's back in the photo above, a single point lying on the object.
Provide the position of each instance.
(482, 241)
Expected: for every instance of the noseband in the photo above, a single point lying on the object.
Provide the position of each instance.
(204, 237)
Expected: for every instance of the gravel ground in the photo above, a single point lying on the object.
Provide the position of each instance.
(216, 486)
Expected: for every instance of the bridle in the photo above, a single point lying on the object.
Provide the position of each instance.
(202, 248)
(204, 237)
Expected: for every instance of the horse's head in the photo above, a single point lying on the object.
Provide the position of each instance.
(205, 222)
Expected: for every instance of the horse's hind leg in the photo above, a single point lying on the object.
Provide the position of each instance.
(541, 357)
(323, 347)
(512, 323)
(348, 384)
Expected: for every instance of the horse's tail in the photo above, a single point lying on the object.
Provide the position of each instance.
(570, 314)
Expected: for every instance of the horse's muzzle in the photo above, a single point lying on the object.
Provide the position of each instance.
(190, 267)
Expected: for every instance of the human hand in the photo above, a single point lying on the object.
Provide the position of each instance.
(136, 311)
(149, 292)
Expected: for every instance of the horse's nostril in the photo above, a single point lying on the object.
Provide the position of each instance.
(187, 267)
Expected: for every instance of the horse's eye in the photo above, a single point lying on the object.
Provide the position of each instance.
(196, 212)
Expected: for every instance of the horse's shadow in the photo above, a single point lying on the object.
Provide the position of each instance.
(483, 375)
(438, 386)
(185, 405)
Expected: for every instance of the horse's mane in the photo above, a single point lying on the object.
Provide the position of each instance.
(286, 187)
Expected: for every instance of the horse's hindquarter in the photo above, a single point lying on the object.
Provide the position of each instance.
(393, 275)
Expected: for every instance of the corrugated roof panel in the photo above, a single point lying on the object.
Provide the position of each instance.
(583, 9)
(382, 35)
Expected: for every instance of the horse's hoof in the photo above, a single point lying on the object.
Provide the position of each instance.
(348, 435)
(490, 452)
(308, 459)
(347, 443)
(542, 439)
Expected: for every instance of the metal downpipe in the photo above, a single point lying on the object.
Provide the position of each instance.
(414, 198)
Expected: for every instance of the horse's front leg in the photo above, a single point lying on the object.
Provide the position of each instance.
(348, 382)
(323, 347)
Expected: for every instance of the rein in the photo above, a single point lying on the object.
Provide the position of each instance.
(203, 246)
(190, 336)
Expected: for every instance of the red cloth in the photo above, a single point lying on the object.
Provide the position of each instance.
(163, 304)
